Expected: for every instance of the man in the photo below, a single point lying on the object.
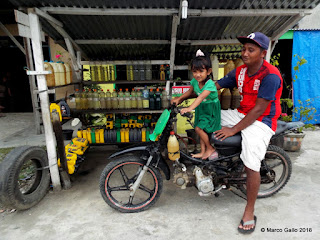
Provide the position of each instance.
(260, 86)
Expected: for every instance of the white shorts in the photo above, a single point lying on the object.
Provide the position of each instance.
(255, 138)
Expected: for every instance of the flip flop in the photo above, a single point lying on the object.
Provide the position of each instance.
(244, 231)
(214, 155)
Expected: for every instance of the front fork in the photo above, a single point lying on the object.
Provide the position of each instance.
(136, 184)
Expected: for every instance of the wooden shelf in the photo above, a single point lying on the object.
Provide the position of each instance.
(125, 82)
(64, 85)
(116, 111)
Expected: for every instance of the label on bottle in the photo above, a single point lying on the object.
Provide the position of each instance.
(145, 103)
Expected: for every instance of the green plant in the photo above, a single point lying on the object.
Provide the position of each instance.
(304, 111)
(274, 60)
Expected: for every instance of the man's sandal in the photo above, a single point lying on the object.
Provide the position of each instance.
(246, 231)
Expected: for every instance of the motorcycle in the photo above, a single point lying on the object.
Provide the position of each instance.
(133, 182)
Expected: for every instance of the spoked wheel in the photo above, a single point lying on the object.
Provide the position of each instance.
(24, 178)
(276, 173)
(117, 178)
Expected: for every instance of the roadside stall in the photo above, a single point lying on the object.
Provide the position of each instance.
(125, 47)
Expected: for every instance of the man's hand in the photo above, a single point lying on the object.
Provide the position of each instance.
(224, 132)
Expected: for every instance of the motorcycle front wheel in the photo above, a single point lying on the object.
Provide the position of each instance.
(274, 174)
(117, 178)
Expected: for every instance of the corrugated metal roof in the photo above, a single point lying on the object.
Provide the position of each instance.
(117, 27)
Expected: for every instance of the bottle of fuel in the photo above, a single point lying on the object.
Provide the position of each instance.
(145, 99)
(173, 147)
(151, 100)
(77, 95)
(158, 100)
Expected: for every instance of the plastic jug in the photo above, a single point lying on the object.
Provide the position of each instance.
(84, 100)
(49, 77)
(62, 72)
(134, 103)
(102, 100)
(238, 62)
(57, 74)
(165, 99)
(127, 100)
(96, 103)
(215, 67)
(90, 99)
(173, 147)
(121, 102)
(139, 100)
(108, 99)
(225, 99)
(68, 73)
(228, 67)
(235, 102)
(77, 95)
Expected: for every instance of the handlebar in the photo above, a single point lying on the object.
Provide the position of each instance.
(176, 109)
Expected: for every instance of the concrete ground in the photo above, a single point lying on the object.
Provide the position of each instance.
(81, 213)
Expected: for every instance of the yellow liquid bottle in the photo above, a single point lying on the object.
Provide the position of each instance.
(173, 147)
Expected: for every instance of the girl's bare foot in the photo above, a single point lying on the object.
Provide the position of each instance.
(208, 153)
(198, 155)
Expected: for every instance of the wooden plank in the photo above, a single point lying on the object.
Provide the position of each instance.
(24, 31)
(44, 99)
(21, 18)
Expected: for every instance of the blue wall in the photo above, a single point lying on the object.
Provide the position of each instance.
(307, 88)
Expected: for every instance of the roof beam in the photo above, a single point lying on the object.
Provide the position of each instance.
(169, 12)
(112, 11)
(48, 17)
(148, 41)
(245, 12)
(126, 62)
(286, 26)
(12, 38)
(208, 42)
(57, 26)
(121, 41)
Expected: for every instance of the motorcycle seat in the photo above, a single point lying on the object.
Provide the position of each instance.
(233, 141)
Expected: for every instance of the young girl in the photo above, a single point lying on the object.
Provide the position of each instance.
(207, 105)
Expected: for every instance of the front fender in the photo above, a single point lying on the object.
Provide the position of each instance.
(162, 163)
(128, 150)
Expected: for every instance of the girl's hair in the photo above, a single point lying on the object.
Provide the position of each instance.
(202, 62)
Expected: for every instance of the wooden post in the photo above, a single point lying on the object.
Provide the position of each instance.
(32, 82)
(44, 99)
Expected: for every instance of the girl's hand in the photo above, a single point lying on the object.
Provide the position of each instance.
(176, 101)
(185, 110)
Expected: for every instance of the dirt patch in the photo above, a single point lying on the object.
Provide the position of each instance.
(4, 152)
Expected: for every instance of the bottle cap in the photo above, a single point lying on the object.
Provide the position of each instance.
(172, 133)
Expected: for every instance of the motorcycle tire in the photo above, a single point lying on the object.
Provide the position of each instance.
(282, 174)
(23, 179)
(119, 175)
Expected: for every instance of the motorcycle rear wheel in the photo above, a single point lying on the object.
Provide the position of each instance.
(117, 178)
(280, 165)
